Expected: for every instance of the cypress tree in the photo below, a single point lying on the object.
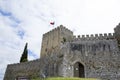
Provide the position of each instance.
(24, 55)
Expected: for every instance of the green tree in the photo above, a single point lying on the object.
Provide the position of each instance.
(24, 55)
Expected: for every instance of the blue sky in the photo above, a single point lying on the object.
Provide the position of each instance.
(24, 21)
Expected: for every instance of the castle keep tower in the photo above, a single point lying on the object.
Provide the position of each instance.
(54, 38)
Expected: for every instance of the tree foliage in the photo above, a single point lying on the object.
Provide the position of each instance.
(24, 55)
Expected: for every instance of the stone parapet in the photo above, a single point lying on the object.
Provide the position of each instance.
(95, 37)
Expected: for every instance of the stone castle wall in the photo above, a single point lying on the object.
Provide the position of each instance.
(100, 59)
(95, 37)
(26, 69)
(46, 66)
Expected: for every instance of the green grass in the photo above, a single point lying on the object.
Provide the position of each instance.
(61, 78)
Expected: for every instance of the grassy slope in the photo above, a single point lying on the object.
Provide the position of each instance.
(59, 78)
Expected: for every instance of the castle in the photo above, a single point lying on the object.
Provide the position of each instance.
(64, 55)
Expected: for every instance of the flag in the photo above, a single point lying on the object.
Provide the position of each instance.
(52, 23)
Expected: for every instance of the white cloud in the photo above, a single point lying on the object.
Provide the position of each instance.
(81, 16)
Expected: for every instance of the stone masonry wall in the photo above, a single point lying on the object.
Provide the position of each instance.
(43, 67)
(100, 58)
(104, 36)
(26, 69)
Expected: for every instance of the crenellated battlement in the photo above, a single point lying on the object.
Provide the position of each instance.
(95, 36)
(64, 28)
(61, 27)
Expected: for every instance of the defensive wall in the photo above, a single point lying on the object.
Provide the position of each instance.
(27, 69)
(99, 58)
(44, 67)
(106, 36)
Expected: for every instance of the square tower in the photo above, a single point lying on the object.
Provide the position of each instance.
(52, 39)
